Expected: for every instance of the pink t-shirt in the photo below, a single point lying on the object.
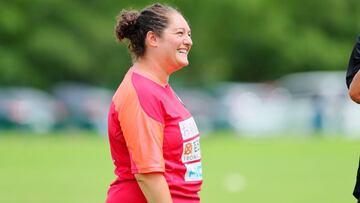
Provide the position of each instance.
(150, 130)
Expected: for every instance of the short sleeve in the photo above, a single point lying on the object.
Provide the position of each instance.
(354, 63)
(143, 134)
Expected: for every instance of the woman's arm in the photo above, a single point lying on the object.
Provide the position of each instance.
(354, 90)
(154, 187)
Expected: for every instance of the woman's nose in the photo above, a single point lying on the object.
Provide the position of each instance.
(188, 40)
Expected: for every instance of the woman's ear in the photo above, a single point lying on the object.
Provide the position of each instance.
(151, 39)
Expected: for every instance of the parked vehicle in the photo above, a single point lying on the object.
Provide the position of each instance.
(321, 103)
(30, 109)
(254, 109)
(88, 105)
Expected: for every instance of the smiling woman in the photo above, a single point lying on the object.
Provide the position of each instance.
(154, 141)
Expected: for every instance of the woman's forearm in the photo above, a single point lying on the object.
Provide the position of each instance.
(154, 187)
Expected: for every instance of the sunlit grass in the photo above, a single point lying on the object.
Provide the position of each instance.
(77, 168)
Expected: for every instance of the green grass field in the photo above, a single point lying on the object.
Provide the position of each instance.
(76, 168)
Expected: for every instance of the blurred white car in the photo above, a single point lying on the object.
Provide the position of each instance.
(29, 108)
(88, 105)
(320, 102)
(254, 109)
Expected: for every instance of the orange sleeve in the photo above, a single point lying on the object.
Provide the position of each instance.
(143, 134)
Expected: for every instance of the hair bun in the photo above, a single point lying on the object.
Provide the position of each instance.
(126, 24)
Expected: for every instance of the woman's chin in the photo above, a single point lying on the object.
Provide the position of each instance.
(183, 63)
(180, 65)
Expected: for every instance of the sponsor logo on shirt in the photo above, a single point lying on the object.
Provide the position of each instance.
(193, 172)
(188, 128)
(191, 150)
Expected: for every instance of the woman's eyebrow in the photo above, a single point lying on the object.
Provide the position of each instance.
(182, 29)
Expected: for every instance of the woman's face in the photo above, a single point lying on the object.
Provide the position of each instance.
(175, 43)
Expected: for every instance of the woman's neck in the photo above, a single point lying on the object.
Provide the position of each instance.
(152, 69)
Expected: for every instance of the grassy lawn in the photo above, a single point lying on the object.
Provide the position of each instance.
(76, 168)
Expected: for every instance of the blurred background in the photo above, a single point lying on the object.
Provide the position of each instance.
(266, 85)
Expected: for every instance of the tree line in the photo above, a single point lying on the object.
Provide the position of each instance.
(43, 42)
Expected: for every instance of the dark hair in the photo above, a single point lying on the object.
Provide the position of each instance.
(134, 25)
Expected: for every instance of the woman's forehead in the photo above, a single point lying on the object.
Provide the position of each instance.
(177, 21)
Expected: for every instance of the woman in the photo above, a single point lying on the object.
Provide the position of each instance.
(153, 139)
(352, 75)
(356, 192)
(353, 83)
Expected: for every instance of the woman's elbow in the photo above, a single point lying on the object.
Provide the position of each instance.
(355, 95)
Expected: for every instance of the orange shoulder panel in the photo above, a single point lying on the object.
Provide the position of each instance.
(143, 135)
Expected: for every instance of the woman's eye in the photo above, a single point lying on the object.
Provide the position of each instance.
(180, 33)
